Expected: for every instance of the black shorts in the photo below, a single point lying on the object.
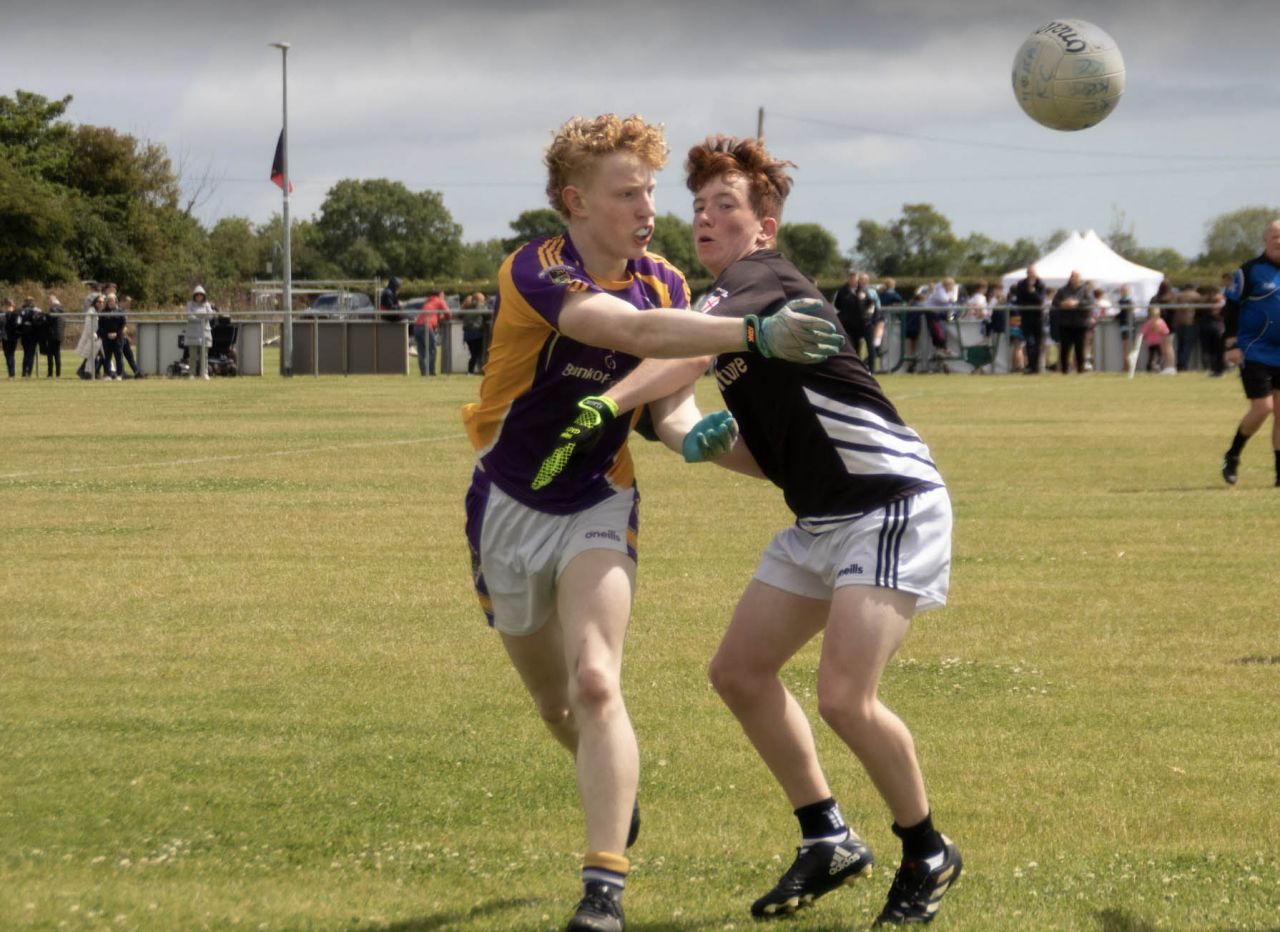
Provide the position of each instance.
(1259, 379)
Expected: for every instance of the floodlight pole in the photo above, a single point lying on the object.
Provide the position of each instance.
(286, 334)
(760, 123)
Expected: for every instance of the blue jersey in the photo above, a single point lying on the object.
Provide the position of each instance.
(535, 375)
(1252, 311)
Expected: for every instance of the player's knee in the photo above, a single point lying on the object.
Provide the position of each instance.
(594, 686)
(555, 713)
(730, 681)
(851, 716)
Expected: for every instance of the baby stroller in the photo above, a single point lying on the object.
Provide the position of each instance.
(222, 354)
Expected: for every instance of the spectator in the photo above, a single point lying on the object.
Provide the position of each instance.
(111, 331)
(11, 330)
(856, 306)
(89, 346)
(1028, 297)
(126, 339)
(199, 333)
(1103, 309)
(433, 311)
(30, 323)
(389, 299)
(55, 329)
(944, 297)
(976, 303)
(1074, 304)
(1185, 332)
(1209, 323)
(1154, 334)
(911, 327)
(997, 316)
(889, 297)
(474, 324)
(1124, 319)
(1165, 299)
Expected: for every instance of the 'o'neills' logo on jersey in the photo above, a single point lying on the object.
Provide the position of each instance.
(585, 372)
(731, 371)
(710, 300)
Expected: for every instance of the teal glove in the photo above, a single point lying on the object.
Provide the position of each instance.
(711, 437)
(595, 414)
(794, 333)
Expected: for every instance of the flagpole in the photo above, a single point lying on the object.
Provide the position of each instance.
(286, 330)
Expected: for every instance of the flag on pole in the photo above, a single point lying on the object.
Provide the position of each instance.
(277, 165)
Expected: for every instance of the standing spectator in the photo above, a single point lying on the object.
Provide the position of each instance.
(1165, 299)
(1185, 332)
(55, 329)
(976, 303)
(1154, 334)
(997, 316)
(199, 333)
(889, 297)
(473, 327)
(10, 334)
(1251, 331)
(111, 332)
(30, 323)
(943, 297)
(1124, 319)
(911, 327)
(126, 339)
(89, 347)
(1103, 309)
(856, 306)
(1209, 323)
(1074, 304)
(433, 311)
(389, 299)
(1028, 297)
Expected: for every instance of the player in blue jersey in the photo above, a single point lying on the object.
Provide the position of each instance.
(870, 547)
(554, 563)
(1251, 319)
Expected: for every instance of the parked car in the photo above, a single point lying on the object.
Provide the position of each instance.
(340, 305)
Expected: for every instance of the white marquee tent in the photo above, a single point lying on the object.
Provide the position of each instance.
(1096, 262)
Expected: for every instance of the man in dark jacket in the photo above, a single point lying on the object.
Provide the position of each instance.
(1028, 295)
(389, 300)
(9, 334)
(29, 322)
(111, 332)
(55, 329)
(1074, 304)
(857, 306)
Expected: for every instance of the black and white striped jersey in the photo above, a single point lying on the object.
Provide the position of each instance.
(825, 434)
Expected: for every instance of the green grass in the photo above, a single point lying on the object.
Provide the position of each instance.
(244, 682)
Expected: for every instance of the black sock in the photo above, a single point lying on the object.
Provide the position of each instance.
(821, 820)
(1237, 444)
(920, 840)
(1277, 467)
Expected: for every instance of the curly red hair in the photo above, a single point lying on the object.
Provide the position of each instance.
(580, 142)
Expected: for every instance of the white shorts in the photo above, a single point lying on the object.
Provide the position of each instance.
(904, 546)
(518, 553)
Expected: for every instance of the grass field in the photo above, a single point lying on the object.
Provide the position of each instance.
(244, 682)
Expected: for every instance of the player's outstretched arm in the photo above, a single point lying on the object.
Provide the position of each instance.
(793, 334)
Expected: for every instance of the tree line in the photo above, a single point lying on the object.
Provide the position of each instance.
(81, 202)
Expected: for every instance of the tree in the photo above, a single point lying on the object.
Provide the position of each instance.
(35, 226)
(480, 260)
(233, 250)
(32, 136)
(673, 240)
(920, 242)
(531, 224)
(1233, 237)
(811, 248)
(380, 227)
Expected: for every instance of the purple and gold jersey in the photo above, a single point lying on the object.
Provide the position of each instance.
(535, 376)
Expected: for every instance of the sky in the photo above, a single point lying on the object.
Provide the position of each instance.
(878, 103)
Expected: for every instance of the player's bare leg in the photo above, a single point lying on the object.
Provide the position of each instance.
(539, 659)
(866, 627)
(1259, 410)
(744, 672)
(594, 596)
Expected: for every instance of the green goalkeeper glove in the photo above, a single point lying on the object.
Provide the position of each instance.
(595, 414)
(711, 437)
(794, 333)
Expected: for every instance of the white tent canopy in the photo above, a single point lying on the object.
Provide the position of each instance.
(1096, 262)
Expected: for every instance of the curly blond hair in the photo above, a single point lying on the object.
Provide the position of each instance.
(767, 178)
(579, 142)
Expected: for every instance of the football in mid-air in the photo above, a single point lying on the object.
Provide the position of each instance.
(1068, 75)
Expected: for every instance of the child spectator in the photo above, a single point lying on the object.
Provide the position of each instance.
(1154, 333)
